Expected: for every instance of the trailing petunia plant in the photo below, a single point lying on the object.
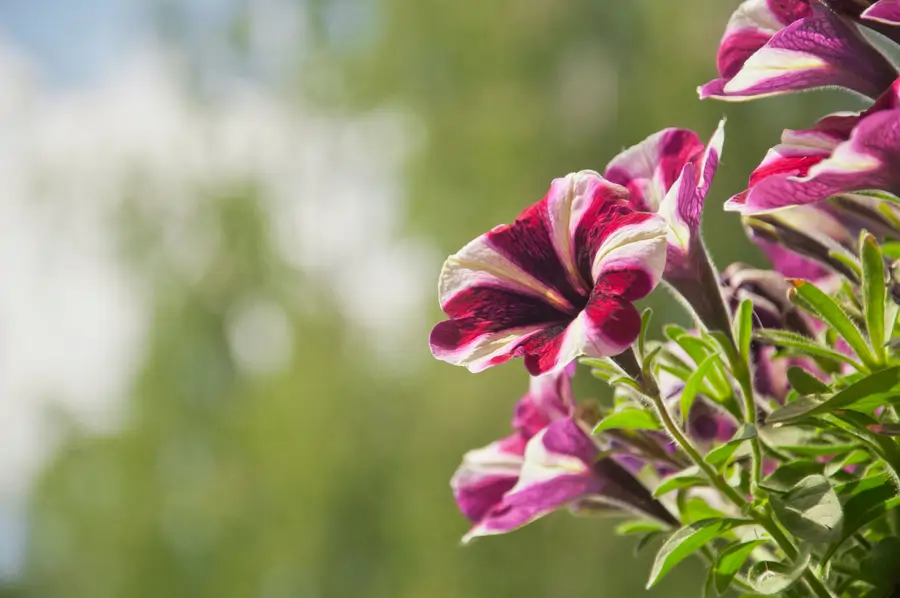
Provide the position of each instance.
(765, 439)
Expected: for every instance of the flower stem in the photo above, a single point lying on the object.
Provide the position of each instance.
(651, 391)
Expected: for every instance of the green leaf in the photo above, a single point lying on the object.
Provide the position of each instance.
(683, 479)
(642, 337)
(628, 419)
(827, 309)
(721, 454)
(851, 489)
(786, 477)
(863, 508)
(891, 250)
(805, 383)
(771, 578)
(872, 391)
(638, 526)
(684, 542)
(852, 458)
(693, 384)
(804, 345)
(811, 511)
(730, 561)
(874, 289)
(743, 328)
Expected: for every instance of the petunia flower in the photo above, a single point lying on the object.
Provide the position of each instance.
(548, 463)
(670, 173)
(772, 47)
(556, 284)
(842, 153)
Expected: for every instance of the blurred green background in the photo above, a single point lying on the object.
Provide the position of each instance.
(222, 224)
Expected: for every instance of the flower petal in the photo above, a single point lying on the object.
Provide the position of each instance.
(884, 11)
(649, 169)
(557, 471)
(486, 474)
(548, 399)
(868, 160)
(816, 51)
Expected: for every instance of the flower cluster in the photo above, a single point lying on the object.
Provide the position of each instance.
(764, 435)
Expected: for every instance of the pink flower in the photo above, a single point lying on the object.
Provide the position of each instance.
(548, 463)
(670, 173)
(556, 284)
(772, 47)
(842, 153)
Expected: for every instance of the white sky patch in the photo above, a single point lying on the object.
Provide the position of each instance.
(73, 316)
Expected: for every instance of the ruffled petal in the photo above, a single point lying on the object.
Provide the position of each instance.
(868, 160)
(548, 399)
(884, 11)
(558, 470)
(486, 474)
(649, 169)
(818, 50)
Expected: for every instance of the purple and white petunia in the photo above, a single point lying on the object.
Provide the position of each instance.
(556, 284)
(842, 153)
(550, 462)
(772, 47)
(670, 173)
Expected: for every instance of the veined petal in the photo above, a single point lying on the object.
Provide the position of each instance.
(816, 51)
(558, 470)
(486, 474)
(868, 160)
(649, 169)
(548, 399)
(884, 11)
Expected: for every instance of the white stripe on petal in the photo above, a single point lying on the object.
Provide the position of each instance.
(772, 63)
(479, 264)
(640, 245)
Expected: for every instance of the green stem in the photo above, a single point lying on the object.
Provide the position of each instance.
(764, 520)
(745, 379)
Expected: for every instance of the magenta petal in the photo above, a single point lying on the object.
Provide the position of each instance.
(884, 11)
(557, 471)
(486, 474)
(649, 169)
(548, 399)
(869, 160)
(817, 51)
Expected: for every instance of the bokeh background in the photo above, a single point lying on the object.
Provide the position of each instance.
(221, 223)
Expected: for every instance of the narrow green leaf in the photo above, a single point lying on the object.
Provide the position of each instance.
(811, 511)
(805, 383)
(743, 328)
(862, 509)
(891, 250)
(831, 313)
(804, 345)
(872, 391)
(847, 491)
(693, 384)
(629, 419)
(730, 561)
(638, 526)
(684, 542)
(721, 454)
(771, 578)
(874, 290)
(642, 337)
(677, 481)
